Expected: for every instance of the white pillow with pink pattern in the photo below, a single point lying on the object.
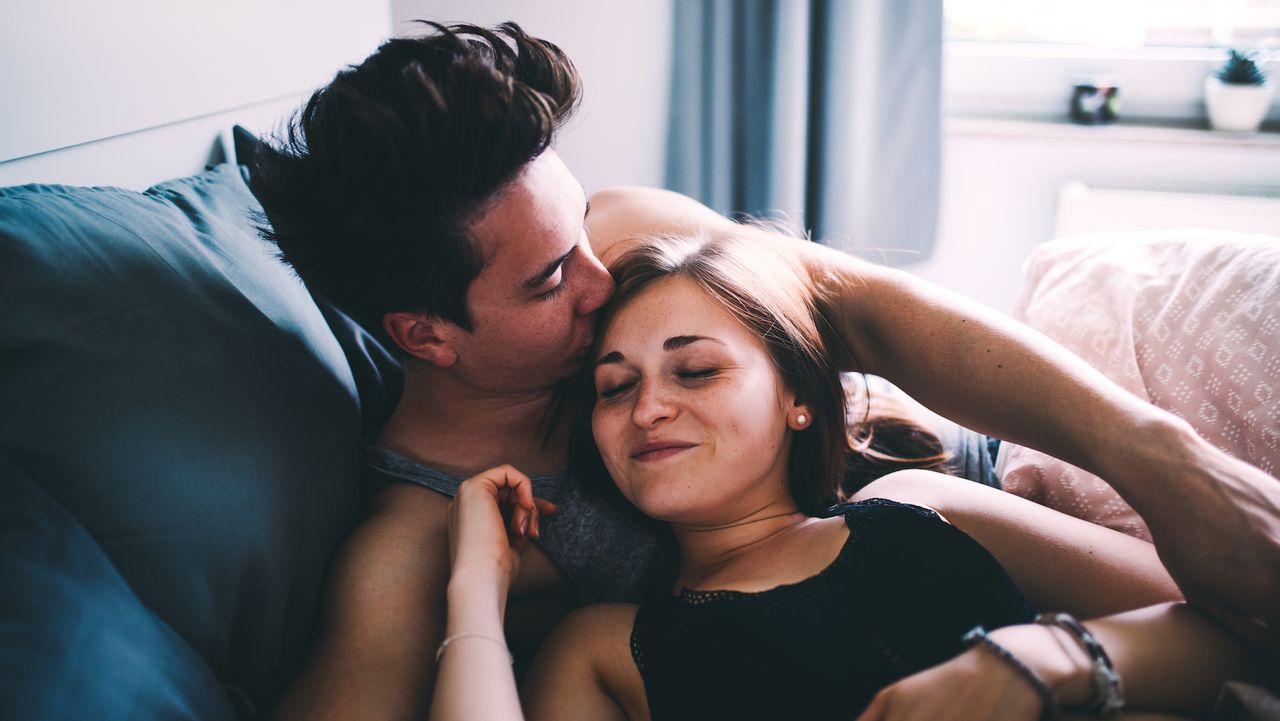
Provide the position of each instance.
(1188, 320)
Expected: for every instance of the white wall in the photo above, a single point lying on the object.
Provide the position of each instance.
(622, 50)
(1000, 188)
(133, 91)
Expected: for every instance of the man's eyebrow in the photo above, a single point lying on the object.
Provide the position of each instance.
(614, 357)
(548, 271)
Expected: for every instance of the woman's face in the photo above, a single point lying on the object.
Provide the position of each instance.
(690, 416)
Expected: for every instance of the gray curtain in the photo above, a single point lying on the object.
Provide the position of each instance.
(825, 113)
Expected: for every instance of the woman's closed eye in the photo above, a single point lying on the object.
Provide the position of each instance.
(613, 390)
(699, 374)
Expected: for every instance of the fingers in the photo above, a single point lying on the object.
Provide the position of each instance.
(512, 491)
(541, 507)
(509, 477)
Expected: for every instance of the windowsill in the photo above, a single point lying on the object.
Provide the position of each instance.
(1123, 131)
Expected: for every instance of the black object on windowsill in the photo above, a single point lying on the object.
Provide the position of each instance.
(1095, 100)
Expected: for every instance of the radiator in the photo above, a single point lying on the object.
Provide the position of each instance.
(1084, 208)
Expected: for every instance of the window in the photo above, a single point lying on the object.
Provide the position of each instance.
(1021, 57)
(1117, 23)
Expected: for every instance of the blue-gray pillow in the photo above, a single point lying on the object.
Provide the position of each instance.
(172, 384)
(75, 642)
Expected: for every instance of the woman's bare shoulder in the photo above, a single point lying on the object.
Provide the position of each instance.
(586, 662)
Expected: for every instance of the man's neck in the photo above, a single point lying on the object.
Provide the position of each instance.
(460, 429)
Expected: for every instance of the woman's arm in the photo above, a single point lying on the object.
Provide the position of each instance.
(474, 679)
(1058, 561)
(569, 678)
(1170, 660)
(491, 519)
(1215, 519)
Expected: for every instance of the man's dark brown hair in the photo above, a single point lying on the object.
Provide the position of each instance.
(372, 188)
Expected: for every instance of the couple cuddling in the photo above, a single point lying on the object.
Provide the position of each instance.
(419, 189)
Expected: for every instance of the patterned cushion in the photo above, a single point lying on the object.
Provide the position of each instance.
(1188, 320)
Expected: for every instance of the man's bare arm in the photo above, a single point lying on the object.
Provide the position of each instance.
(383, 618)
(1215, 519)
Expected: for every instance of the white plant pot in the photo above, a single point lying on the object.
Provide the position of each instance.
(1236, 107)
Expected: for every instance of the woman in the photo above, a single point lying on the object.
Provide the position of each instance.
(719, 413)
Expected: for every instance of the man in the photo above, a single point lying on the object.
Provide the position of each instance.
(418, 190)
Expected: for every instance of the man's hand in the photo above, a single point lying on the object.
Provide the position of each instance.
(972, 686)
(1216, 526)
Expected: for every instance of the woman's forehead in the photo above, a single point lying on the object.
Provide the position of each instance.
(672, 314)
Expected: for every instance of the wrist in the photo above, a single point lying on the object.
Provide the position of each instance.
(477, 589)
(1054, 657)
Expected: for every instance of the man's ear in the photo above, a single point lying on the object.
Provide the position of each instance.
(421, 336)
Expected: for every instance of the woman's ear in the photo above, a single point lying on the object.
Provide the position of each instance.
(798, 416)
(422, 336)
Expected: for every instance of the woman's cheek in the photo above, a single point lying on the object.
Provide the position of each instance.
(608, 435)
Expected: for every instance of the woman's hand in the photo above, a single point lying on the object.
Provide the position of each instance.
(492, 517)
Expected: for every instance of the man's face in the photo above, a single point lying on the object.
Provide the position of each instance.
(533, 304)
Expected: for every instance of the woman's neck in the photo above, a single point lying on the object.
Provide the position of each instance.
(710, 552)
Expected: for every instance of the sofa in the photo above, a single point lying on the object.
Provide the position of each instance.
(182, 424)
(179, 451)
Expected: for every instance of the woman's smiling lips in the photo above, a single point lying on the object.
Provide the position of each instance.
(658, 450)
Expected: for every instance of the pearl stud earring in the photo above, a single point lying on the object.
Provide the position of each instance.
(802, 419)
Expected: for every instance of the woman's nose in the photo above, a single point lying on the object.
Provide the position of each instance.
(652, 406)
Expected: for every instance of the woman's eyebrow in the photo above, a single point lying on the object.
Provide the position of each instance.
(673, 343)
(680, 341)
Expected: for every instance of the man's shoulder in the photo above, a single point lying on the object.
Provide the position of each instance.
(385, 469)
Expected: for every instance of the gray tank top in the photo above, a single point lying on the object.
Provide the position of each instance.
(605, 554)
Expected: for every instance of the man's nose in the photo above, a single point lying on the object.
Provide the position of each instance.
(598, 286)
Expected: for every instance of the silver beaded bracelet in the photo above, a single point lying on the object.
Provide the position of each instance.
(977, 636)
(1108, 693)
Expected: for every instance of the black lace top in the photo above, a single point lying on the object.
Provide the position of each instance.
(904, 589)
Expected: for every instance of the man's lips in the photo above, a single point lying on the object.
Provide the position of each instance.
(658, 450)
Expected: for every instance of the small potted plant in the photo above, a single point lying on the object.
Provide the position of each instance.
(1238, 95)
